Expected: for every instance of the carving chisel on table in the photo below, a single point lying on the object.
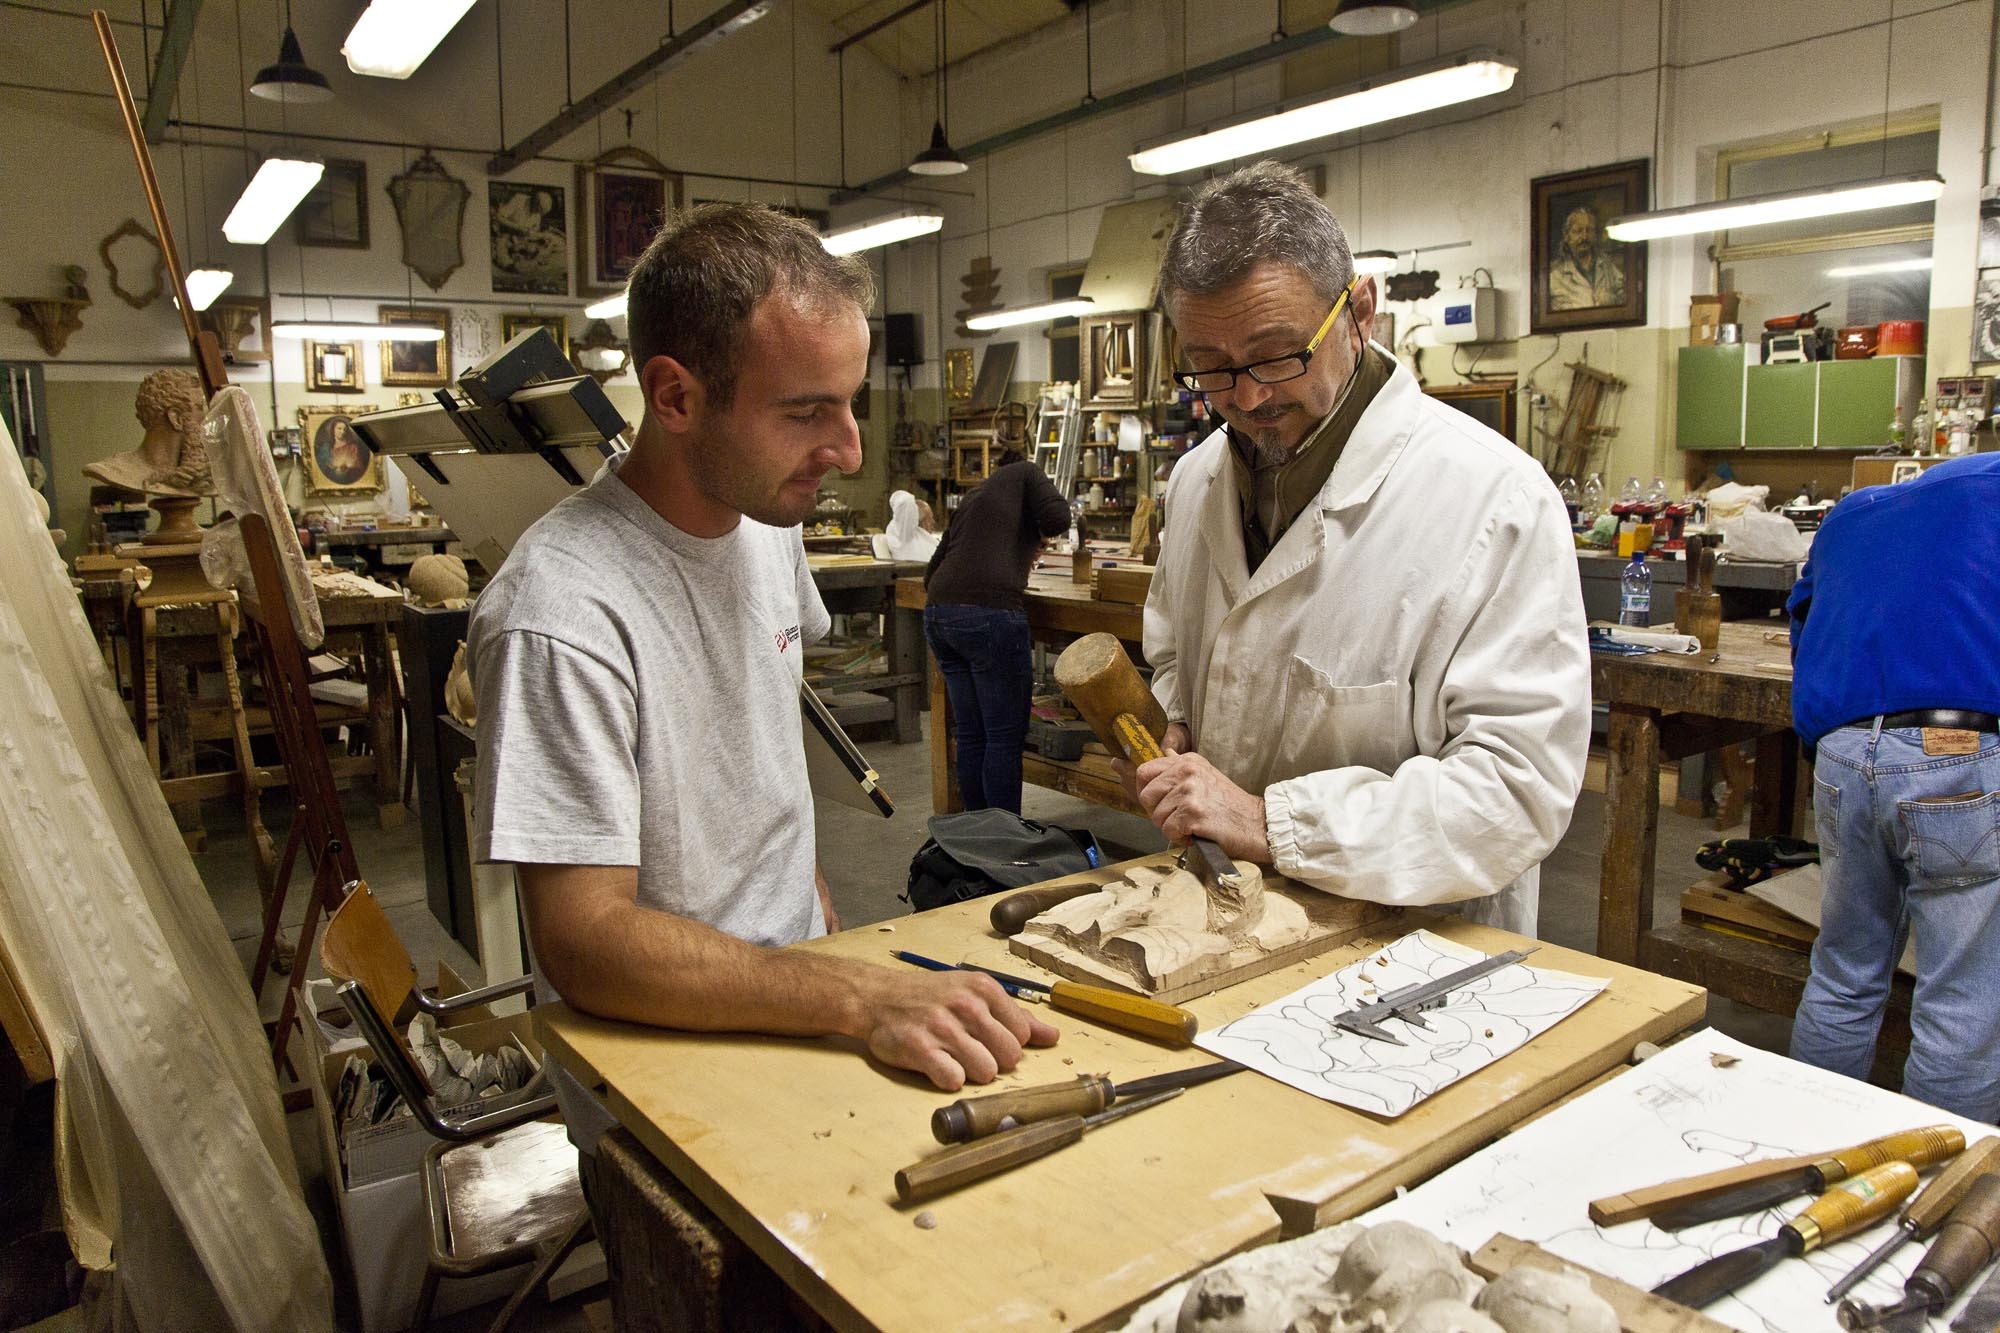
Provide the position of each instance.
(1409, 1003)
(1921, 1148)
(1848, 1207)
(976, 1117)
(1136, 1014)
(1963, 1247)
(1928, 1210)
(1982, 1313)
(945, 1171)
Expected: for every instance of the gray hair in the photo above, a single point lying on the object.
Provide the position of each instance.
(691, 294)
(1264, 211)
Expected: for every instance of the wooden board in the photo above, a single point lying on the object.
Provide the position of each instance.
(1124, 583)
(1708, 905)
(793, 1142)
(1638, 1311)
(1332, 921)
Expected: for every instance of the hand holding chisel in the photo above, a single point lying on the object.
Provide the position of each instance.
(1136, 1014)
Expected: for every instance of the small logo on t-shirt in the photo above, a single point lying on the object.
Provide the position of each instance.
(787, 635)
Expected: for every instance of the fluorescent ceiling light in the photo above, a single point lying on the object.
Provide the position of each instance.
(269, 198)
(1461, 78)
(1032, 314)
(611, 307)
(902, 226)
(327, 330)
(1886, 266)
(1790, 206)
(205, 284)
(393, 37)
(1375, 261)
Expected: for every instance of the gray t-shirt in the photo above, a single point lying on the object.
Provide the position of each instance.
(638, 706)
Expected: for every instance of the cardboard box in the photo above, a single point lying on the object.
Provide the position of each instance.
(1706, 314)
(379, 1196)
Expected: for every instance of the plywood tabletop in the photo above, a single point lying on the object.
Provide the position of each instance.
(793, 1143)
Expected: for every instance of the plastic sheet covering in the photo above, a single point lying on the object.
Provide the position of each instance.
(246, 481)
(172, 1151)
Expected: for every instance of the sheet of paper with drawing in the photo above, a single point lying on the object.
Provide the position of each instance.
(1702, 1105)
(1295, 1039)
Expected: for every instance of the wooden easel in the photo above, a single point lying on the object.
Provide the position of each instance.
(318, 824)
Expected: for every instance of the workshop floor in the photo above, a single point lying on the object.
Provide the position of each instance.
(867, 865)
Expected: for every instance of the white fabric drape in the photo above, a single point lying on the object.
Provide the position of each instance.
(907, 541)
(172, 1147)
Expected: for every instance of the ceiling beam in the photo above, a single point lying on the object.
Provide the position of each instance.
(176, 36)
(725, 20)
(878, 25)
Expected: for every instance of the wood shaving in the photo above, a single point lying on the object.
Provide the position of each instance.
(1722, 1059)
(822, 1133)
(886, 930)
(926, 1220)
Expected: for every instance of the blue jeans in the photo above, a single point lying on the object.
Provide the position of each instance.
(988, 665)
(1910, 844)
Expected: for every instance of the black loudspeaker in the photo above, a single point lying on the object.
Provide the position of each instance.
(902, 346)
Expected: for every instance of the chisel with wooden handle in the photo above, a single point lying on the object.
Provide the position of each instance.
(1964, 1246)
(1848, 1207)
(946, 1171)
(1136, 1014)
(1926, 1213)
(1921, 1148)
(971, 1118)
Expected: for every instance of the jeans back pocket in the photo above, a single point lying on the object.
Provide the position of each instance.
(1954, 843)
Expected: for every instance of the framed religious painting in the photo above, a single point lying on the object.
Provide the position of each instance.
(527, 233)
(622, 198)
(337, 461)
(1579, 278)
(333, 367)
(418, 365)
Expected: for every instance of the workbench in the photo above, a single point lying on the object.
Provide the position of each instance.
(793, 1143)
(1060, 611)
(385, 550)
(847, 585)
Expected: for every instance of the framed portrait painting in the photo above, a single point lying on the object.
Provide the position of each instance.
(337, 461)
(419, 365)
(622, 198)
(334, 212)
(333, 367)
(1578, 277)
(527, 230)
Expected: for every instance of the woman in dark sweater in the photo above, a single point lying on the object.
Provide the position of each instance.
(977, 628)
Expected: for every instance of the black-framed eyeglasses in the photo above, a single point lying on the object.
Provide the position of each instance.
(1274, 371)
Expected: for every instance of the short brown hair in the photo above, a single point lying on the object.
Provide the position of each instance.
(691, 294)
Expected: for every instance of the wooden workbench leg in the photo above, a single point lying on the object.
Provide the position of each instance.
(903, 647)
(385, 729)
(1775, 790)
(1631, 830)
(945, 797)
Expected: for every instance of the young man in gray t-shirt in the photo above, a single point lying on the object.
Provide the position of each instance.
(637, 666)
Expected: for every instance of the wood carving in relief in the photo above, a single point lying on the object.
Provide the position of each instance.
(982, 295)
(53, 318)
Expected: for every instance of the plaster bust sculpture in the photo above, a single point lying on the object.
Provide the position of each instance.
(171, 460)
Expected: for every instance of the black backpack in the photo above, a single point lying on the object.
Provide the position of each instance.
(977, 852)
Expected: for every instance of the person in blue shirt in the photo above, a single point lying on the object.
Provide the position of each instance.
(1896, 680)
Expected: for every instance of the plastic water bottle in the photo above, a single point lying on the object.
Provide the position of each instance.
(1635, 597)
(1593, 497)
(1571, 501)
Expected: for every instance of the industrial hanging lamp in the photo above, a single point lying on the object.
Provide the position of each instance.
(291, 79)
(1373, 18)
(940, 159)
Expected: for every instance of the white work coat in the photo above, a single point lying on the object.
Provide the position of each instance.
(1406, 677)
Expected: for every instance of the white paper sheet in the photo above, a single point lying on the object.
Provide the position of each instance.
(1293, 1039)
(1680, 1114)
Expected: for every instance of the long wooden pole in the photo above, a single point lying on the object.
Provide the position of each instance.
(207, 352)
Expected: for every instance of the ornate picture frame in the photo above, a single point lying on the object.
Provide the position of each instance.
(430, 212)
(1114, 360)
(622, 197)
(333, 367)
(1577, 278)
(336, 460)
(425, 365)
(513, 321)
(334, 214)
(958, 374)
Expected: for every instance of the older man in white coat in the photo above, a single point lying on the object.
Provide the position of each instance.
(1366, 625)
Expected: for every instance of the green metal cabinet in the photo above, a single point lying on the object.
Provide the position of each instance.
(1710, 398)
(1857, 398)
(1779, 403)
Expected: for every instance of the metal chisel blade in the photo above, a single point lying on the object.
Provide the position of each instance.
(1982, 1313)
(1707, 1283)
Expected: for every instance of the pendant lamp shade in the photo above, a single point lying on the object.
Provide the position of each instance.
(940, 159)
(291, 79)
(1372, 18)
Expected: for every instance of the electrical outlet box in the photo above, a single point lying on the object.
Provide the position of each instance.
(1467, 316)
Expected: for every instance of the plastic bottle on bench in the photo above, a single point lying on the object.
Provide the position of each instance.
(1635, 593)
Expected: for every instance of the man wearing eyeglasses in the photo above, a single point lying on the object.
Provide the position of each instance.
(1366, 625)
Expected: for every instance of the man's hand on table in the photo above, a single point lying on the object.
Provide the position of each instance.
(954, 1028)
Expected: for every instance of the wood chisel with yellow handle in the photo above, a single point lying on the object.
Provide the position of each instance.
(1136, 1014)
(1921, 1148)
(1843, 1210)
(1928, 1210)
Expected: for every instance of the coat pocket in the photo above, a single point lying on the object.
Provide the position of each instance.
(1326, 725)
(1954, 843)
